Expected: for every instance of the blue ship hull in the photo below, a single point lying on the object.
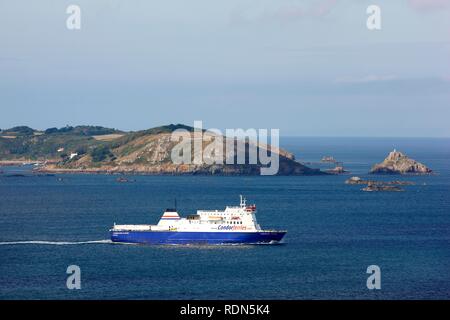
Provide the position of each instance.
(175, 237)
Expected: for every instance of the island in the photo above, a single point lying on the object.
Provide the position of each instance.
(398, 163)
(95, 149)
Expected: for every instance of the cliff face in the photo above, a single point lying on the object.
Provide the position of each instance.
(398, 163)
(150, 152)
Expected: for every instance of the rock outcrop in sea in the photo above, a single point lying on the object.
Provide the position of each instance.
(381, 187)
(374, 185)
(337, 170)
(358, 180)
(398, 163)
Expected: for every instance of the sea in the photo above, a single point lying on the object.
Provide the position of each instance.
(335, 231)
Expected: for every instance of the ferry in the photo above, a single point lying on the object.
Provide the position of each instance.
(234, 225)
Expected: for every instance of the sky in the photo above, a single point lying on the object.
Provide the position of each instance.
(308, 68)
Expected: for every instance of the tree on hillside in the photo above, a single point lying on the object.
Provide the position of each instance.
(101, 153)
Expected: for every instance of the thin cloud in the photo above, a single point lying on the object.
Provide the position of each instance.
(366, 79)
(323, 8)
(429, 5)
(284, 13)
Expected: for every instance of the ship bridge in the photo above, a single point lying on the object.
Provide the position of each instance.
(233, 217)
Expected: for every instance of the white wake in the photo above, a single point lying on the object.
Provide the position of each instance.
(56, 243)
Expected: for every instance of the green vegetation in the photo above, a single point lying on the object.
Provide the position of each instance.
(26, 143)
(101, 153)
(18, 131)
(157, 130)
(82, 130)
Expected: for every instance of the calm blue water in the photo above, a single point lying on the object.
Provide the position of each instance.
(334, 232)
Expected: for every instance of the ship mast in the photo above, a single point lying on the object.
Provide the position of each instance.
(243, 200)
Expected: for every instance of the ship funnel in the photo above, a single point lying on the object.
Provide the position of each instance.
(170, 214)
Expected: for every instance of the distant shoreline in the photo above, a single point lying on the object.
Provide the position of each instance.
(115, 171)
(10, 163)
(22, 162)
(160, 173)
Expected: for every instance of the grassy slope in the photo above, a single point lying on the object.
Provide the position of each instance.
(26, 143)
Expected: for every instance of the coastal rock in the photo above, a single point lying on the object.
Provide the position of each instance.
(358, 180)
(329, 159)
(337, 170)
(355, 180)
(398, 163)
(381, 187)
(374, 185)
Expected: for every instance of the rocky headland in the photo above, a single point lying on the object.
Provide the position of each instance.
(89, 149)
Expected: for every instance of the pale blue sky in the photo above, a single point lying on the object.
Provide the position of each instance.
(309, 68)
